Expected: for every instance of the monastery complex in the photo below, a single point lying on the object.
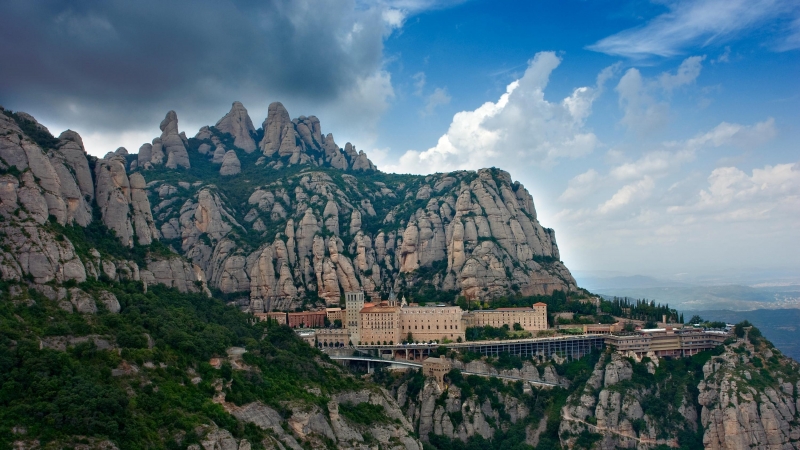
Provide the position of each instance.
(391, 322)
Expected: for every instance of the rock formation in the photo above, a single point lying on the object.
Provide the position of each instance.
(746, 405)
(230, 164)
(172, 143)
(478, 230)
(275, 238)
(123, 202)
(238, 124)
(275, 128)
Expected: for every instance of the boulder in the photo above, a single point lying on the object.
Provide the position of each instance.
(230, 164)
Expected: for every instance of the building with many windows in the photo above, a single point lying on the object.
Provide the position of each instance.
(277, 316)
(307, 319)
(332, 337)
(380, 324)
(530, 319)
(431, 323)
(335, 314)
(354, 303)
(667, 342)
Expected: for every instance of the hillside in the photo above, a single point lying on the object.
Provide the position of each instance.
(741, 395)
(125, 284)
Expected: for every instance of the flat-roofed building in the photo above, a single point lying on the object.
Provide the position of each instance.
(307, 319)
(530, 319)
(593, 328)
(431, 323)
(308, 335)
(436, 368)
(332, 337)
(667, 341)
(380, 324)
(335, 314)
(277, 316)
(354, 303)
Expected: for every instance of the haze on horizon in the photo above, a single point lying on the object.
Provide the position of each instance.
(657, 138)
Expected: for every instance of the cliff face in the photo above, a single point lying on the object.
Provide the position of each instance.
(743, 396)
(306, 218)
(300, 218)
(49, 186)
(749, 399)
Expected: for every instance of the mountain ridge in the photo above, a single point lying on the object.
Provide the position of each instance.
(281, 215)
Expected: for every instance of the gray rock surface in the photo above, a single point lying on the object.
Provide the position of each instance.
(238, 124)
(275, 128)
(230, 164)
(173, 145)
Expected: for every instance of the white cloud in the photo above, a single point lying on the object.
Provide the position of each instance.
(439, 97)
(733, 195)
(743, 136)
(652, 163)
(645, 102)
(394, 17)
(419, 83)
(359, 109)
(660, 162)
(724, 57)
(642, 113)
(792, 40)
(628, 194)
(99, 144)
(521, 128)
(700, 23)
(687, 73)
(580, 186)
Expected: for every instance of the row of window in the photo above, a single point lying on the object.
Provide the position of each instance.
(429, 327)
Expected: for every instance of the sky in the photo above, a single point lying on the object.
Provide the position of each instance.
(657, 138)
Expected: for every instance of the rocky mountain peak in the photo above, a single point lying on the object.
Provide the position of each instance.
(275, 127)
(237, 123)
(172, 143)
(170, 123)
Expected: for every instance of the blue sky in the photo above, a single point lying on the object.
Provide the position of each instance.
(657, 137)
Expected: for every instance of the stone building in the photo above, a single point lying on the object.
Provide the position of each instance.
(380, 324)
(332, 337)
(530, 319)
(667, 342)
(307, 319)
(335, 314)
(354, 303)
(436, 368)
(309, 336)
(277, 316)
(431, 323)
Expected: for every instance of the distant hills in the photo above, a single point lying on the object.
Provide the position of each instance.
(781, 326)
(596, 283)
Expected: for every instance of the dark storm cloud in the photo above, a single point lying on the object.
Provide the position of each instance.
(116, 64)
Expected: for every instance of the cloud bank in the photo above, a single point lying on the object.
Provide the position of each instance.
(521, 128)
(101, 67)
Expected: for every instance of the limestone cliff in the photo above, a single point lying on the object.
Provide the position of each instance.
(470, 407)
(749, 398)
(742, 396)
(49, 187)
(300, 219)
